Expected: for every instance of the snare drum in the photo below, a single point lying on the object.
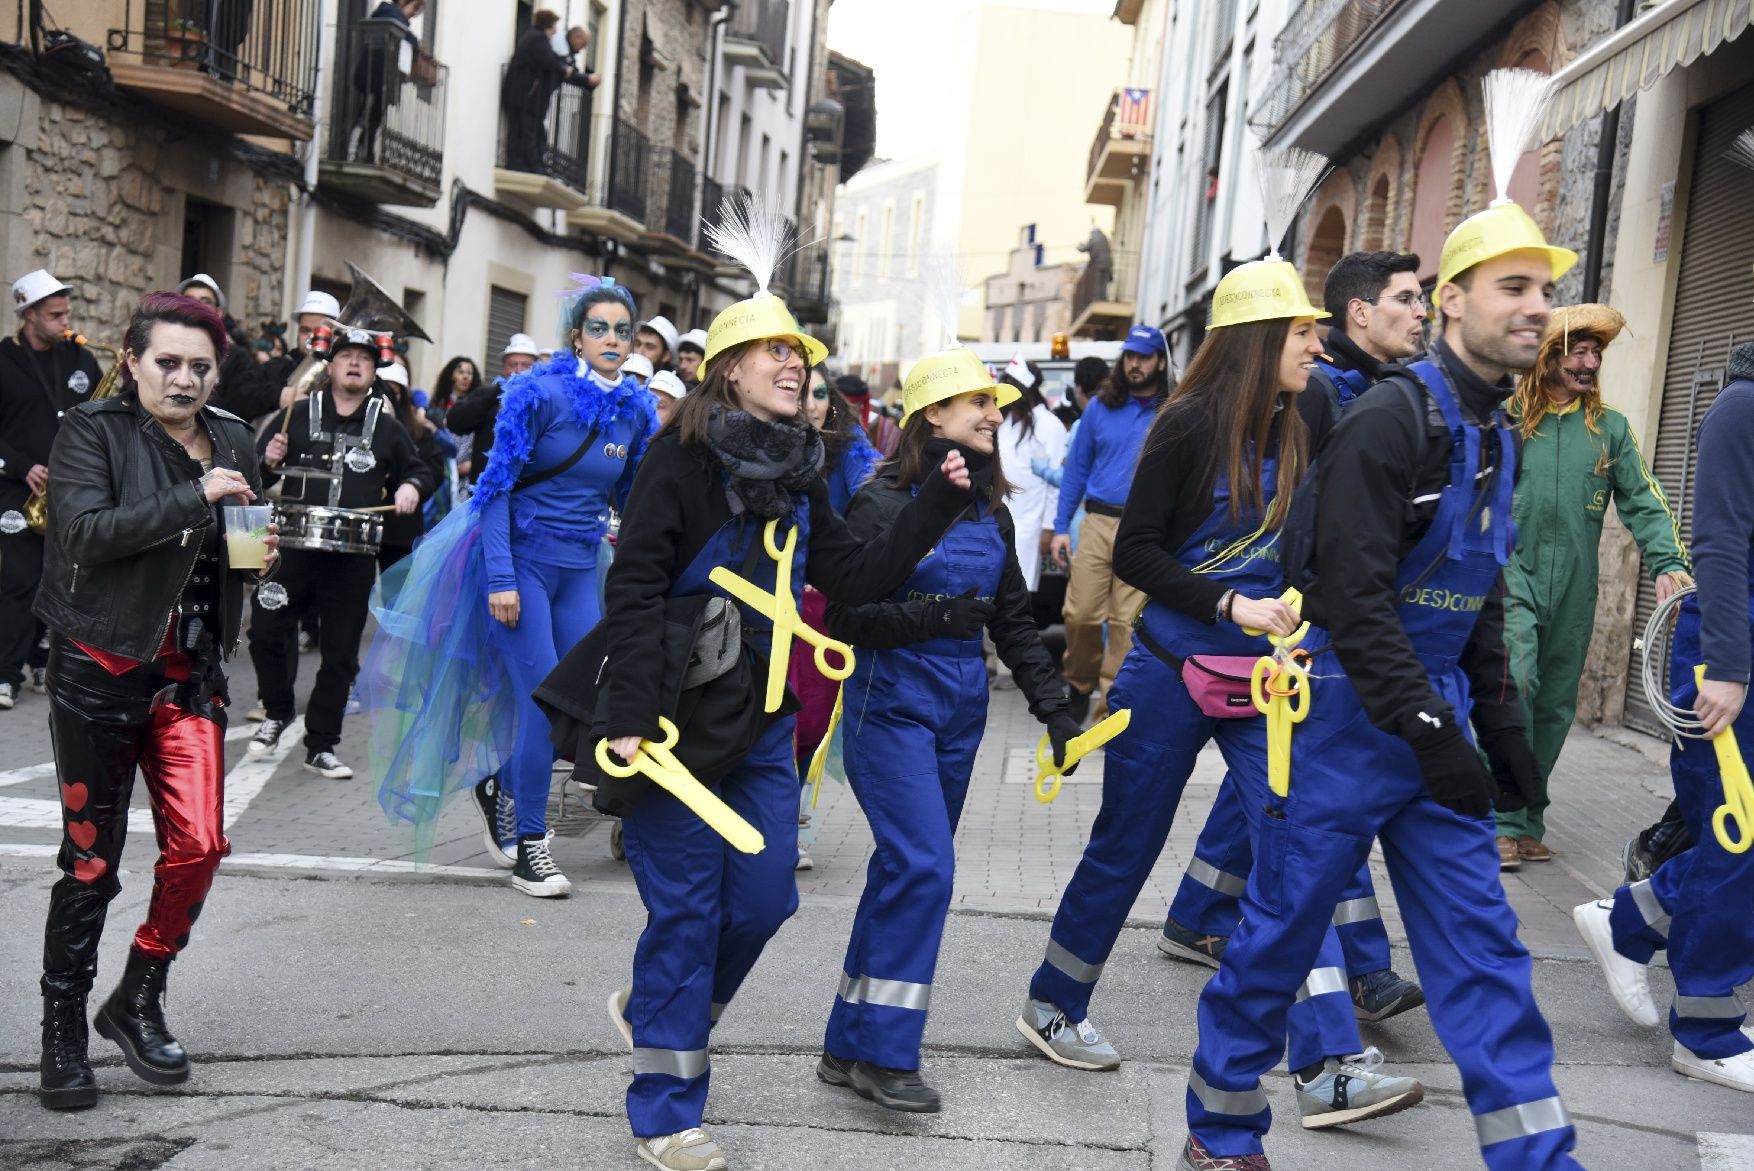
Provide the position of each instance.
(328, 530)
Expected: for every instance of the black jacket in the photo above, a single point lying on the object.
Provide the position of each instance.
(475, 415)
(876, 509)
(398, 461)
(1378, 477)
(534, 73)
(31, 408)
(400, 532)
(124, 501)
(676, 505)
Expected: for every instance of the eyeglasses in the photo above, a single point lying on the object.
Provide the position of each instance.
(597, 327)
(782, 351)
(819, 393)
(1407, 300)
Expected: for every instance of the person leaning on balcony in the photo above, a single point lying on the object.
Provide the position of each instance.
(536, 70)
(1098, 472)
(377, 72)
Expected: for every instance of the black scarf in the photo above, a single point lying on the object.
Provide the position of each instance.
(766, 464)
(981, 464)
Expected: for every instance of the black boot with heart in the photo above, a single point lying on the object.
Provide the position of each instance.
(67, 1083)
(133, 1017)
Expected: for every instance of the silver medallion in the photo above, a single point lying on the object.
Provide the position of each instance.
(271, 595)
(79, 382)
(360, 459)
(12, 521)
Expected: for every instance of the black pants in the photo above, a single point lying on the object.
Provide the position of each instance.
(338, 586)
(526, 136)
(104, 727)
(21, 571)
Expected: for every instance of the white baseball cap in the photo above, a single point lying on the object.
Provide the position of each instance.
(394, 372)
(666, 381)
(36, 286)
(520, 343)
(317, 301)
(637, 364)
(662, 327)
(695, 338)
(203, 279)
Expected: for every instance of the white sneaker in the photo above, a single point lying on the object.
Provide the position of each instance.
(688, 1150)
(1735, 1072)
(1628, 982)
(805, 861)
(618, 1014)
(8, 696)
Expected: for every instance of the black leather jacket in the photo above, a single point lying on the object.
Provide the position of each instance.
(124, 504)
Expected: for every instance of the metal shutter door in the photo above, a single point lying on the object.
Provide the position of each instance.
(505, 316)
(1714, 310)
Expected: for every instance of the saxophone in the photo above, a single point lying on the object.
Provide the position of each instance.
(36, 508)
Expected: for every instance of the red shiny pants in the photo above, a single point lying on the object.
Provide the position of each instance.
(105, 726)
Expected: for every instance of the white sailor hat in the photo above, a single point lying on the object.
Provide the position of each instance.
(36, 286)
(664, 329)
(520, 343)
(208, 282)
(665, 381)
(394, 372)
(637, 365)
(317, 301)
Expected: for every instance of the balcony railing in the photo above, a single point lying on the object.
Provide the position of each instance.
(1127, 118)
(1102, 301)
(247, 68)
(553, 141)
(1316, 40)
(630, 166)
(810, 275)
(679, 204)
(712, 194)
(386, 139)
(756, 40)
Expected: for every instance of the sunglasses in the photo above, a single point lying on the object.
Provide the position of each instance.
(596, 327)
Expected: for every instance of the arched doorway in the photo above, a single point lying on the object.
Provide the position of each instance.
(1376, 217)
(1431, 194)
(1326, 245)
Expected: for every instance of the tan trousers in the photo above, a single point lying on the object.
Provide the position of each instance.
(1094, 597)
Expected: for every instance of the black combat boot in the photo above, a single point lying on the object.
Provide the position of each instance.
(133, 1017)
(67, 1083)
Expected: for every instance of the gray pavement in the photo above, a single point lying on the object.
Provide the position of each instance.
(349, 1010)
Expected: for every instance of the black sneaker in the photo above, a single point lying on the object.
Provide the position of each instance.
(267, 738)
(499, 831)
(39, 680)
(8, 696)
(327, 764)
(894, 1089)
(834, 1071)
(535, 872)
(1377, 996)
(1178, 943)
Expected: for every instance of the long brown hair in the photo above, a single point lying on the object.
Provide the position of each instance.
(910, 465)
(1530, 404)
(689, 419)
(1232, 385)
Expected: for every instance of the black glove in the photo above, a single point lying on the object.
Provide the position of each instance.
(1451, 768)
(1513, 767)
(1061, 729)
(962, 617)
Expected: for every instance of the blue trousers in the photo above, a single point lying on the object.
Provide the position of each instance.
(710, 909)
(1351, 783)
(1144, 773)
(909, 754)
(556, 608)
(1697, 905)
(1207, 901)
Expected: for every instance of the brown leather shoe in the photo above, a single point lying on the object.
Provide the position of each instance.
(1530, 850)
(1508, 856)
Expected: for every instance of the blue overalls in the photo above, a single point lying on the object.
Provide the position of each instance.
(1347, 384)
(710, 909)
(1697, 904)
(914, 717)
(1146, 769)
(1350, 783)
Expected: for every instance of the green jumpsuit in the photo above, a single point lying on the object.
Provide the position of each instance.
(1568, 476)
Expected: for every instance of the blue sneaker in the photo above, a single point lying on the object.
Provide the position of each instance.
(1178, 943)
(1377, 996)
(1349, 1089)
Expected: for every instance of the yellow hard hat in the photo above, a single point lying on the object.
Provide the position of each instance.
(945, 375)
(1261, 290)
(761, 316)
(1498, 231)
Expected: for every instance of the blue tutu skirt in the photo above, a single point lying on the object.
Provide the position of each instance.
(443, 710)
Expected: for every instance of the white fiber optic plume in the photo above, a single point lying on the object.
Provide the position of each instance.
(1742, 150)
(755, 233)
(1515, 101)
(1287, 177)
(941, 293)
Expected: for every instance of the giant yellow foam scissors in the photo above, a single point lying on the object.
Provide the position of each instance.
(660, 764)
(1738, 803)
(782, 609)
(1048, 774)
(1279, 685)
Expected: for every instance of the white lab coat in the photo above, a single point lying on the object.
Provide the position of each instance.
(1033, 499)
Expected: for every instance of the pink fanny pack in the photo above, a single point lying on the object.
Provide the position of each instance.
(1219, 684)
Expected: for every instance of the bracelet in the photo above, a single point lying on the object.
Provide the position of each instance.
(1222, 612)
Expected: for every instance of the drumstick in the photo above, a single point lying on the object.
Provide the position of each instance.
(375, 508)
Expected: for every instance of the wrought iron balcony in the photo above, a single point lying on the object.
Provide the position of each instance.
(809, 270)
(679, 219)
(1316, 41)
(756, 40)
(1121, 151)
(1102, 301)
(386, 138)
(630, 168)
(545, 151)
(249, 69)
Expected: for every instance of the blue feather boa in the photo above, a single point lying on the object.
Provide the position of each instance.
(593, 407)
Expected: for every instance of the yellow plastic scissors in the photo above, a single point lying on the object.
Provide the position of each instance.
(657, 762)
(1279, 685)
(1077, 748)
(1738, 803)
(819, 758)
(782, 609)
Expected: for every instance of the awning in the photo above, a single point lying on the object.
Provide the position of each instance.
(1677, 32)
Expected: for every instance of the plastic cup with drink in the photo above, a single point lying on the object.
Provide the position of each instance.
(246, 535)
